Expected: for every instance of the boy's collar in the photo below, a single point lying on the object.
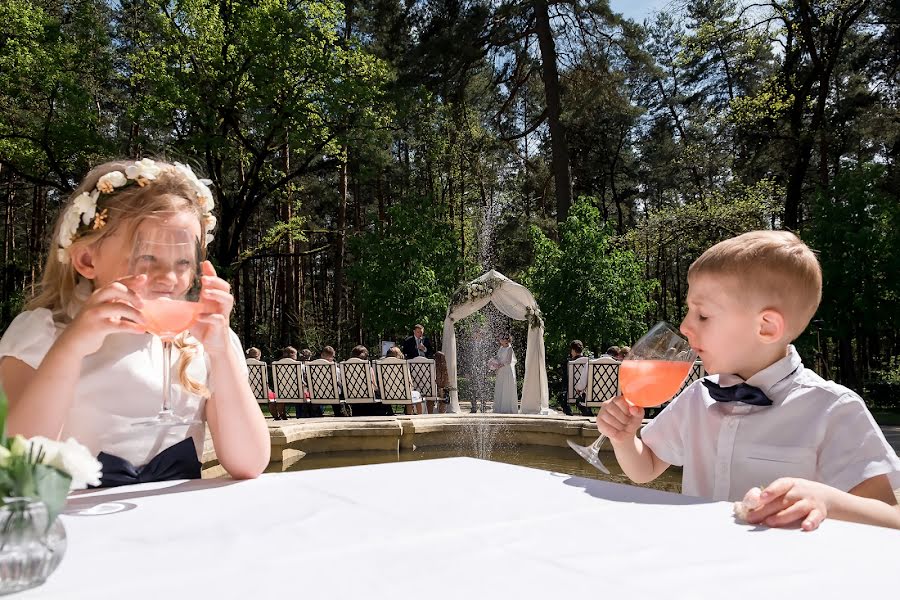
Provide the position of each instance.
(770, 376)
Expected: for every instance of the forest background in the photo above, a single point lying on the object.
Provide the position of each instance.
(370, 156)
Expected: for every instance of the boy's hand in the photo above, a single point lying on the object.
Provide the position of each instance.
(618, 420)
(788, 502)
(212, 326)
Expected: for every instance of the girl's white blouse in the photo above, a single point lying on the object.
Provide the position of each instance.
(120, 385)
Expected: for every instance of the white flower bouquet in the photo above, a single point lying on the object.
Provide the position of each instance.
(42, 469)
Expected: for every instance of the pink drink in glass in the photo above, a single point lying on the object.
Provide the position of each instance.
(167, 318)
(651, 382)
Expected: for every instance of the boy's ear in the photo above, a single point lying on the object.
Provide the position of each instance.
(771, 326)
(83, 261)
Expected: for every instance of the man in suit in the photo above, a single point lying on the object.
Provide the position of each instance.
(417, 344)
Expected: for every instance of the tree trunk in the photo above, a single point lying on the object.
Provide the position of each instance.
(337, 302)
(558, 145)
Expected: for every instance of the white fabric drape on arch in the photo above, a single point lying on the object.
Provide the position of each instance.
(512, 300)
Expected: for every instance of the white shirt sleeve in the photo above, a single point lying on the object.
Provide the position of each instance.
(665, 434)
(854, 448)
(581, 378)
(29, 337)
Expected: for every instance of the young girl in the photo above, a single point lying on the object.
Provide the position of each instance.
(79, 362)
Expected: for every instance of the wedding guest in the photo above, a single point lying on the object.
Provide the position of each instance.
(339, 410)
(366, 410)
(576, 351)
(613, 352)
(409, 409)
(417, 344)
(300, 409)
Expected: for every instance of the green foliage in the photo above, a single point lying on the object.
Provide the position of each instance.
(406, 273)
(856, 231)
(695, 226)
(587, 286)
(241, 83)
(55, 93)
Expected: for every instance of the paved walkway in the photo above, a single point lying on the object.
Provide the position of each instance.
(892, 434)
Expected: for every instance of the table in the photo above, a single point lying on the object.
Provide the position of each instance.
(452, 528)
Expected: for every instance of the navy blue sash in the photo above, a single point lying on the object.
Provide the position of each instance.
(175, 462)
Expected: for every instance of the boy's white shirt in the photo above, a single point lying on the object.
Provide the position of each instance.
(120, 385)
(815, 429)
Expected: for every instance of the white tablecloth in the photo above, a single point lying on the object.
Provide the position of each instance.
(454, 528)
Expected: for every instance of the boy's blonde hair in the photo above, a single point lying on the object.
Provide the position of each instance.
(171, 191)
(774, 267)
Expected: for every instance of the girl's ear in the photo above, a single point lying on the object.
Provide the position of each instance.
(771, 326)
(83, 261)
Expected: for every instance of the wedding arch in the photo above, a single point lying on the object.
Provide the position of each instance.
(517, 303)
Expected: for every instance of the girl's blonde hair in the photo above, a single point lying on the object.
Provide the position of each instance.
(171, 191)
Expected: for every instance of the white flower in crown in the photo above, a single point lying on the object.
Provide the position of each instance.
(112, 180)
(142, 171)
(204, 195)
(84, 207)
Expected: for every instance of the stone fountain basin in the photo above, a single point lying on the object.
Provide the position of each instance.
(293, 439)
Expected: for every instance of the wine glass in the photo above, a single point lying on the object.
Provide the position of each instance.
(651, 374)
(170, 257)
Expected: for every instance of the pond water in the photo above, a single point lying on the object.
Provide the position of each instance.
(547, 458)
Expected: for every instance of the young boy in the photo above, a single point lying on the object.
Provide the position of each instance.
(763, 419)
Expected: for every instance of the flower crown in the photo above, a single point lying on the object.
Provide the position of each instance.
(83, 210)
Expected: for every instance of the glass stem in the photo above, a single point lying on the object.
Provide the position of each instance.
(167, 383)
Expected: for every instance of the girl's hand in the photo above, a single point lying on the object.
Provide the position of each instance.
(114, 308)
(213, 322)
(618, 420)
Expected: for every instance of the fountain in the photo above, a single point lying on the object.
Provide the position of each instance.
(478, 343)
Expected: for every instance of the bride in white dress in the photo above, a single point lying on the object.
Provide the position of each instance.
(506, 398)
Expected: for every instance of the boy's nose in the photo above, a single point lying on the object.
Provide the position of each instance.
(685, 329)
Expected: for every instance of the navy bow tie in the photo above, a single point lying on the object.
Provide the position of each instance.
(175, 462)
(737, 393)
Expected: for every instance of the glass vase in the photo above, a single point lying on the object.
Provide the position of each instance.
(30, 547)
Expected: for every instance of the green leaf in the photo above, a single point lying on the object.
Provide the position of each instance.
(52, 487)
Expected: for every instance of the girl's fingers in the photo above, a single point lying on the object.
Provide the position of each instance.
(219, 296)
(116, 292)
(214, 283)
(125, 326)
(214, 319)
(117, 311)
(208, 269)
